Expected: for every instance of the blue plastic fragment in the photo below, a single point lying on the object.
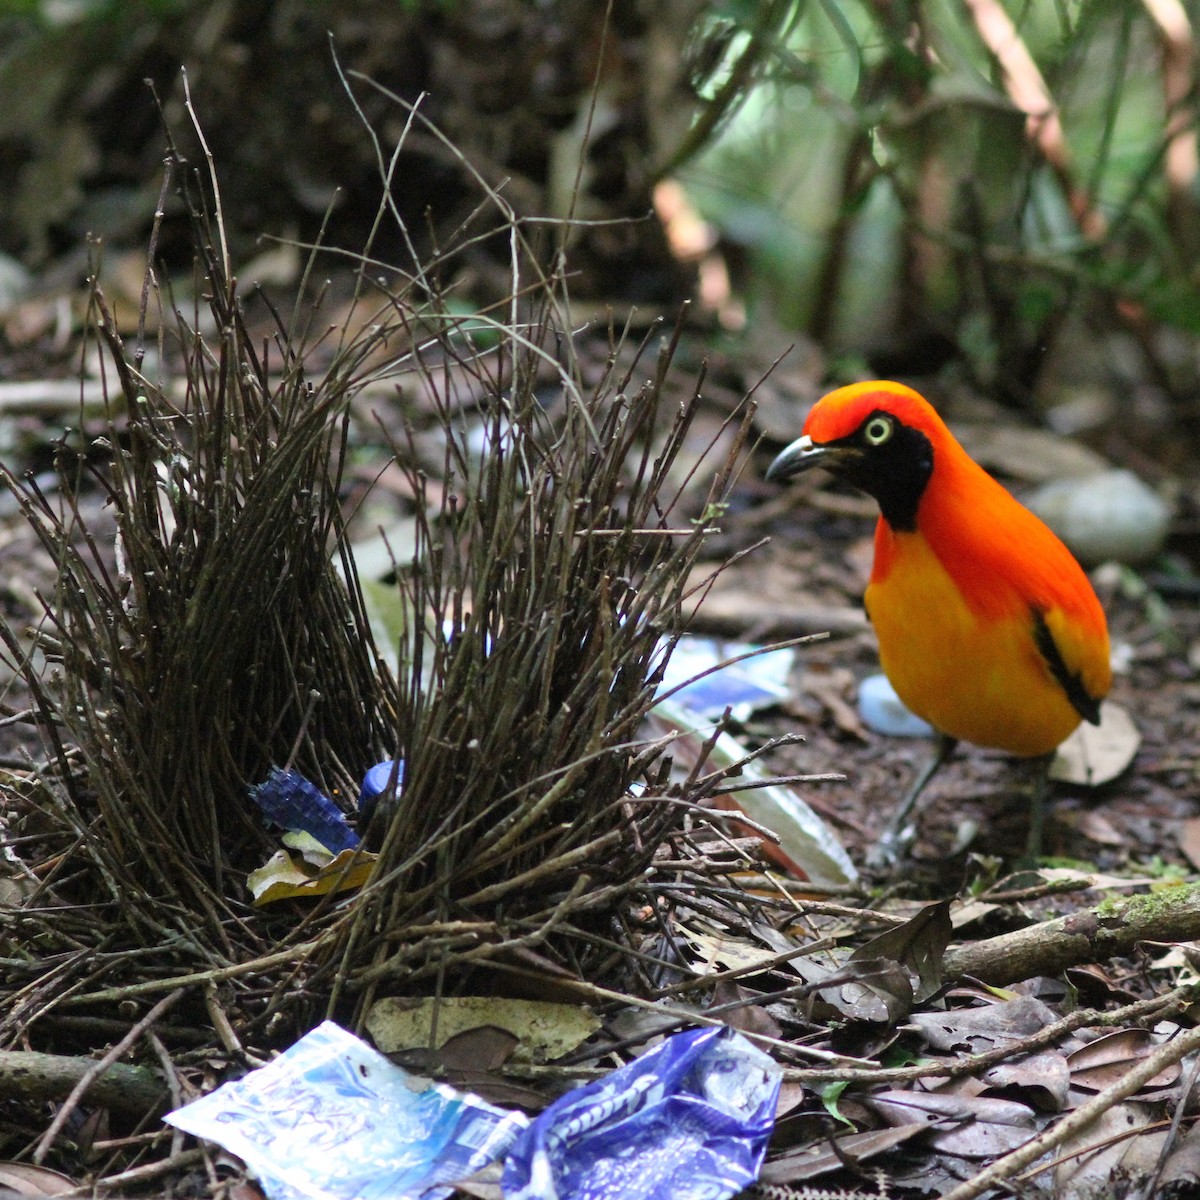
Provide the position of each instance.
(288, 800)
(688, 1120)
(374, 785)
(884, 712)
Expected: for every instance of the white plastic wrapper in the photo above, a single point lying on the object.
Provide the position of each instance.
(332, 1119)
(745, 686)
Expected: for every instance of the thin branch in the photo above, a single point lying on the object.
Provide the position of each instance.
(1028, 91)
(90, 1076)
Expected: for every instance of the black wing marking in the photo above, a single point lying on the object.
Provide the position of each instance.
(1071, 682)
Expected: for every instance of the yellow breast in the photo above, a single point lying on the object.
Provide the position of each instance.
(977, 678)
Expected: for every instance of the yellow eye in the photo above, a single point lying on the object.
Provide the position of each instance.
(877, 430)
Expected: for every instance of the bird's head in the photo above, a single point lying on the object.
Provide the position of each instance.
(882, 437)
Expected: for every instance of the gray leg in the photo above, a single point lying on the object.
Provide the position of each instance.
(899, 832)
(1038, 798)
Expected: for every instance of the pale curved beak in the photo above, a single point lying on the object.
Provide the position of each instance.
(802, 454)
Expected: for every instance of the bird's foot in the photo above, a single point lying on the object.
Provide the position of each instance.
(893, 845)
(901, 830)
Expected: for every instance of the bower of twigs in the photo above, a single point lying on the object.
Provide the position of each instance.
(210, 626)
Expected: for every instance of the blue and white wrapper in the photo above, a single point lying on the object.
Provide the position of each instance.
(333, 1119)
(688, 1120)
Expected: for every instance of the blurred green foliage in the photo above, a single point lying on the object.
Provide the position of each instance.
(53, 14)
(886, 190)
(873, 180)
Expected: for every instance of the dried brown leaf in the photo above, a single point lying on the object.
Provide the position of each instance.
(874, 989)
(483, 1048)
(1103, 1160)
(1103, 1062)
(966, 1126)
(1097, 754)
(1045, 1078)
(544, 1030)
(1189, 840)
(24, 1179)
(746, 1016)
(977, 1030)
(1182, 1168)
(917, 944)
(822, 1157)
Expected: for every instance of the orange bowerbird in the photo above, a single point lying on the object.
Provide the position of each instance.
(988, 627)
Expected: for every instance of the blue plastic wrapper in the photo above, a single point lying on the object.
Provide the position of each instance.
(288, 800)
(332, 1119)
(374, 785)
(688, 1120)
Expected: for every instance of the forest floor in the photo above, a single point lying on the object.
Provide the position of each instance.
(800, 559)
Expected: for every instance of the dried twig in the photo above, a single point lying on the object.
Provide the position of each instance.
(96, 1070)
(1181, 161)
(1156, 1008)
(1133, 1080)
(1090, 935)
(136, 1176)
(29, 1075)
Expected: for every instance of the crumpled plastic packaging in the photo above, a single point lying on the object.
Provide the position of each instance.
(688, 1120)
(290, 801)
(333, 1119)
(707, 682)
(884, 712)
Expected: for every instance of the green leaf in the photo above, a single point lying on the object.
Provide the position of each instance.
(830, 1094)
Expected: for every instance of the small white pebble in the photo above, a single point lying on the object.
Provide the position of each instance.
(1109, 517)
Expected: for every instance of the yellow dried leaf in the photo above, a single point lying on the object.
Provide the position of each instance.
(283, 877)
